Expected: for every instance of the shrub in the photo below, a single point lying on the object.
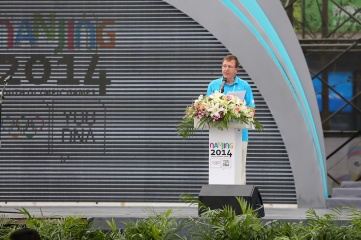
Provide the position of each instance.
(216, 224)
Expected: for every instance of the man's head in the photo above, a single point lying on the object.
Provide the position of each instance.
(230, 67)
(25, 234)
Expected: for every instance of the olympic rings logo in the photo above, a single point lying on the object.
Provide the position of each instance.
(22, 126)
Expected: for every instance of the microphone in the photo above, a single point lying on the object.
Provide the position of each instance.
(7, 79)
(221, 90)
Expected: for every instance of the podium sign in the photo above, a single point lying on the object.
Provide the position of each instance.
(225, 154)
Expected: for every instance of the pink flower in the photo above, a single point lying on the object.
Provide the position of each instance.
(228, 97)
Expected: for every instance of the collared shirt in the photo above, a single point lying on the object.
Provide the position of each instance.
(237, 86)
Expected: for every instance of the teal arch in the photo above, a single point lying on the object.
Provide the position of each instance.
(260, 34)
(263, 21)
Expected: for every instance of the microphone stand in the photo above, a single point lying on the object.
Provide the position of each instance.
(221, 89)
(1, 101)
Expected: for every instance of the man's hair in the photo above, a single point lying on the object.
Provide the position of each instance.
(25, 234)
(230, 58)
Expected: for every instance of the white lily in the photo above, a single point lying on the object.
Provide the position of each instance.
(215, 109)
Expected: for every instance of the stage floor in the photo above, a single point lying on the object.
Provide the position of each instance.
(143, 210)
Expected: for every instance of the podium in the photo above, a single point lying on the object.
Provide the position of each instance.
(225, 171)
(225, 154)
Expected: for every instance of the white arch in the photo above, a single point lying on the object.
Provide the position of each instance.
(260, 35)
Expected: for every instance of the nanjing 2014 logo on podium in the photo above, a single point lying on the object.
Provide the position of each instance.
(220, 155)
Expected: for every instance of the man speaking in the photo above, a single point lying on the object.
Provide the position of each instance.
(229, 82)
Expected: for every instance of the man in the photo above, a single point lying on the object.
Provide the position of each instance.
(234, 84)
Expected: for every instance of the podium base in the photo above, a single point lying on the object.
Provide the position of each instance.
(219, 196)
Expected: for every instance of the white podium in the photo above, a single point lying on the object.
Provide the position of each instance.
(225, 154)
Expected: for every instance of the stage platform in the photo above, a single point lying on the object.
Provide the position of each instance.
(122, 212)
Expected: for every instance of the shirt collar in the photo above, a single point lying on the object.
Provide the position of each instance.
(236, 80)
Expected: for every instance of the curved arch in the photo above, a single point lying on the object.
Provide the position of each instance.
(261, 36)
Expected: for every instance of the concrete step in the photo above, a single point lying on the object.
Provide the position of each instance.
(350, 184)
(346, 192)
(343, 202)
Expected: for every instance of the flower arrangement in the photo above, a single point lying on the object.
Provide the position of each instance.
(216, 110)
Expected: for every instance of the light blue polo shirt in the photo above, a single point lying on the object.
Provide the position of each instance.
(238, 85)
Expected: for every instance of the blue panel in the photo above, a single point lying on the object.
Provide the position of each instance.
(341, 82)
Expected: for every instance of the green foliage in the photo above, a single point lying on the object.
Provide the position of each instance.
(186, 127)
(158, 227)
(7, 226)
(324, 227)
(224, 223)
(328, 226)
(338, 19)
(283, 230)
(354, 228)
(98, 235)
(69, 228)
(215, 224)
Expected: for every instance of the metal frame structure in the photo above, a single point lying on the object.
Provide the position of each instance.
(326, 42)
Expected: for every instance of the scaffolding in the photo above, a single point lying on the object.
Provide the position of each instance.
(329, 32)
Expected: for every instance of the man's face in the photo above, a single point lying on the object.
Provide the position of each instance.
(229, 69)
